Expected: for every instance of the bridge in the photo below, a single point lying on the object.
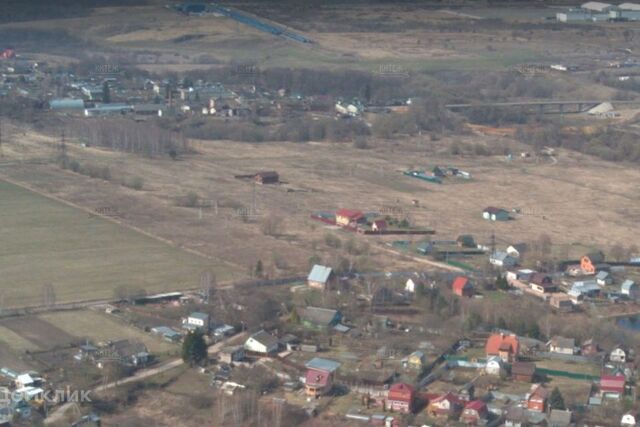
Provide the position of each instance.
(541, 107)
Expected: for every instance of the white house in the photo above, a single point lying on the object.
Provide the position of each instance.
(261, 342)
(517, 249)
(629, 288)
(618, 355)
(495, 366)
(197, 320)
(628, 420)
(603, 278)
(561, 345)
(502, 259)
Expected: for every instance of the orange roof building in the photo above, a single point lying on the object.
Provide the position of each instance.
(507, 347)
(461, 286)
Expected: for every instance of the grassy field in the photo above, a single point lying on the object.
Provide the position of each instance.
(100, 327)
(80, 255)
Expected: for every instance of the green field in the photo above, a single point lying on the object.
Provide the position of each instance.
(82, 256)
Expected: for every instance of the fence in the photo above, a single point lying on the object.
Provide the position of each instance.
(572, 375)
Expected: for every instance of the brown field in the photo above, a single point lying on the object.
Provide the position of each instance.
(38, 331)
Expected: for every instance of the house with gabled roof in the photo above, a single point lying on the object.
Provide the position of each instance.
(346, 217)
(612, 386)
(320, 277)
(507, 347)
(562, 345)
(537, 398)
(462, 287)
(261, 342)
(318, 317)
(445, 405)
(630, 288)
(474, 412)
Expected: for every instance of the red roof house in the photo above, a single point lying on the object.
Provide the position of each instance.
(461, 286)
(345, 217)
(537, 398)
(507, 347)
(474, 411)
(401, 397)
(317, 382)
(379, 225)
(612, 385)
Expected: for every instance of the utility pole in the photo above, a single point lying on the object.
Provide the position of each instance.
(1, 153)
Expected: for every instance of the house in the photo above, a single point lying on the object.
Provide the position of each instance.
(446, 405)
(416, 359)
(523, 371)
(561, 345)
(495, 214)
(167, 333)
(628, 420)
(261, 342)
(516, 416)
(25, 380)
(603, 278)
(231, 354)
(462, 287)
(517, 249)
(466, 241)
(125, 352)
(317, 317)
(502, 259)
(589, 348)
(630, 288)
(619, 355)
(537, 398)
(589, 262)
(584, 288)
(474, 412)
(320, 376)
(507, 347)
(379, 225)
(494, 366)
(561, 301)
(197, 321)
(541, 283)
(559, 418)
(401, 398)
(267, 177)
(320, 277)
(612, 386)
(346, 217)
(413, 283)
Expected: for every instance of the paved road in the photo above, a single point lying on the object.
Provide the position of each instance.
(58, 414)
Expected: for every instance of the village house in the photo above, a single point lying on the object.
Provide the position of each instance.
(495, 214)
(628, 420)
(541, 283)
(261, 342)
(401, 398)
(462, 287)
(629, 288)
(502, 259)
(495, 366)
(320, 277)
(466, 241)
(603, 278)
(379, 225)
(320, 376)
(446, 405)
(125, 352)
(561, 302)
(590, 348)
(561, 345)
(589, 262)
(517, 250)
(516, 416)
(537, 398)
(474, 412)
(523, 371)
(416, 360)
(318, 317)
(231, 354)
(197, 321)
(619, 354)
(347, 217)
(507, 347)
(413, 283)
(612, 386)
(267, 177)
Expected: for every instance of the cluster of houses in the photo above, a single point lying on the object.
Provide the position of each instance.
(127, 353)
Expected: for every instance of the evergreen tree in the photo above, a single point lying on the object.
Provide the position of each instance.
(556, 401)
(259, 268)
(194, 348)
(106, 93)
(294, 317)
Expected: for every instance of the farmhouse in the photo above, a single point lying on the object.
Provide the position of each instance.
(523, 371)
(507, 347)
(346, 217)
(495, 214)
(537, 398)
(589, 262)
(502, 259)
(261, 342)
(320, 277)
(401, 398)
(561, 345)
(462, 287)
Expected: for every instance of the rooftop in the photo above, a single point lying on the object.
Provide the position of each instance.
(323, 364)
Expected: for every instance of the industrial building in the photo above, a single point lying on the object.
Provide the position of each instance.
(594, 11)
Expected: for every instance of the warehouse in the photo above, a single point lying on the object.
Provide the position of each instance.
(626, 12)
